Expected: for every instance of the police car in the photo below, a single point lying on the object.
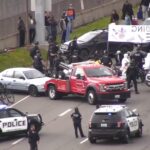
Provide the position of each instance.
(14, 121)
(114, 122)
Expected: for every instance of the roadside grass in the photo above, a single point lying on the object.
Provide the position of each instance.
(21, 58)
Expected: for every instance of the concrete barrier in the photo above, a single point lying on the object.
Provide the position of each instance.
(90, 15)
(103, 8)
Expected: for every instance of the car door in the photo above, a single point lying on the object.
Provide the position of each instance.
(78, 84)
(132, 121)
(4, 119)
(7, 78)
(19, 81)
(18, 120)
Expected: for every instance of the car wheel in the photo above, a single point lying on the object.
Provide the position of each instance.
(52, 93)
(33, 91)
(92, 140)
(91, 97)
(84, 55)
(139, 132)
(126, 137)
(122, 100)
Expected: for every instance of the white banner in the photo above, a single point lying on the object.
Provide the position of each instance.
(129, 33)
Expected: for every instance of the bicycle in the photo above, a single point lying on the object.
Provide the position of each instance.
(6, 96)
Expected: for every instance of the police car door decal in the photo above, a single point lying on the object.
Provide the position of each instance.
(13, 124)
(133, 123)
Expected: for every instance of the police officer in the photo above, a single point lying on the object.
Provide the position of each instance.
(131, 74)
(76, 117)
(34, 49)
(58, 59)
(33, 138)
(37, 62)
(52, 53)
(74, 51)
(138, 56)
(106, 60)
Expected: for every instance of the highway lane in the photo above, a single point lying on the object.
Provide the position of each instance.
(58, 132)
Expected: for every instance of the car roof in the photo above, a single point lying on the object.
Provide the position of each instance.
(110, 108)
(3, 106)
(20, 69)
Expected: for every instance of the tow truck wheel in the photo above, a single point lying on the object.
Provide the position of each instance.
(52, 93)
(91, 97)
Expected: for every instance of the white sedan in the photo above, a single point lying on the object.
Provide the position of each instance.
(24, 79)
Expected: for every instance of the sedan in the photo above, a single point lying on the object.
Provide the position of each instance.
(24, 79)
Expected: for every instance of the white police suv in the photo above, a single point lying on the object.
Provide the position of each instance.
(114, 121)
(14, 121)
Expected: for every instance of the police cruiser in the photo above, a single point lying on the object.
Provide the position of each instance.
(14, 121)
(114, 122)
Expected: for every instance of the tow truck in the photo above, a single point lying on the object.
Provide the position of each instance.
(93, 81)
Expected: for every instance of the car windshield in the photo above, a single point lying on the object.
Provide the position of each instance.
(33, 74)
(98, 72)
(87, 36)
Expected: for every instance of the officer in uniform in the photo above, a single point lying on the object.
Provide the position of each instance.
(138, 57)
(73, 51)
(76, 117)
(37, 62)
(106, 60)
(52, 53)
(131, 74)
(34, 49)
(33, 138)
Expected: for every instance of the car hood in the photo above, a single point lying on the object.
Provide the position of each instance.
(106, 80)
(39, 81)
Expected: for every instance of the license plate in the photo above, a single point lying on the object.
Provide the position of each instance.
(104, 125)
(117, 96)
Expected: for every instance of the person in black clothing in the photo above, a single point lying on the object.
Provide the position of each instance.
(76, 117)
(53, 27)
(37, 62)
(114, 17)
(106, 60)
(34, 49)
(33, 138)
(73, 51)
(57, 69)
(127, 9)
(138, 57)
(22, 30)
(131, 74)
(52, 53)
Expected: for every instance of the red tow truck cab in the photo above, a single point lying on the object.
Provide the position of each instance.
(94, 81)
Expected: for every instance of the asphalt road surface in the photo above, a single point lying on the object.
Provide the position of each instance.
(58, 131)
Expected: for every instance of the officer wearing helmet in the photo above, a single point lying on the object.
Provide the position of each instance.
(76, 117)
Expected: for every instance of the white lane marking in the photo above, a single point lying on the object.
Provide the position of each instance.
(85, 140)
(16, 142)
(20, 101)
(64, 113)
